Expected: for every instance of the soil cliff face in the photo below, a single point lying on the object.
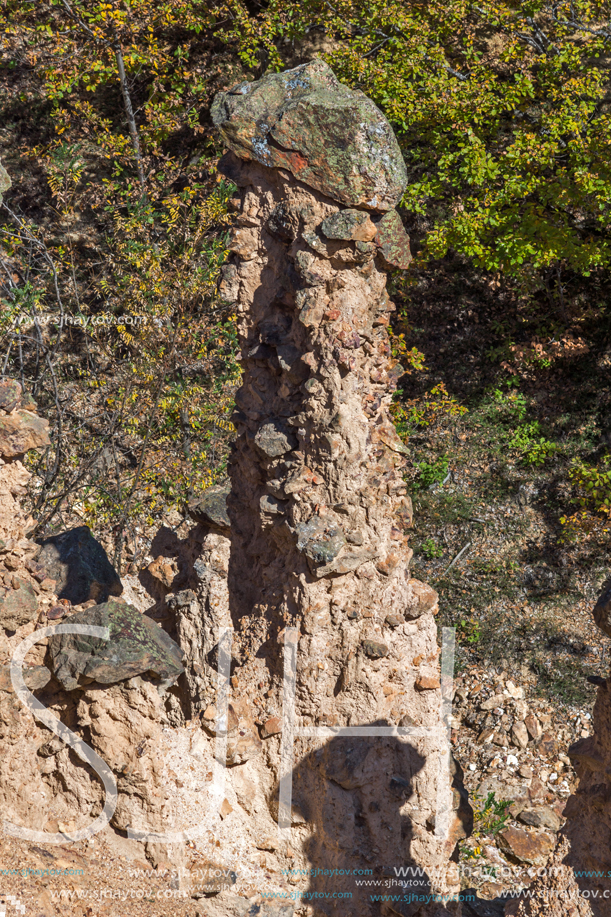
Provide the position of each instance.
(318, 505)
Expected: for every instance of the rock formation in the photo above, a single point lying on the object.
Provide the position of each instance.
(312, 537)
(318, 505)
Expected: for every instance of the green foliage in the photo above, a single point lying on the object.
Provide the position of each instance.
(430, 473)
(434, 406)
(592, 486)
(489, 814)
(469, 631)
(534, 449)
(501, 110)
(431, 549)
(512, 403)
(132, 239)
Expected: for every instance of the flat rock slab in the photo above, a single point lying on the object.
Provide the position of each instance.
(136, 645)
(525, 847)
(330, 137)
(80, 566)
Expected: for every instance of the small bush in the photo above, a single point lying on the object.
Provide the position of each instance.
(430, 473)
(533, 448)
(431, 549)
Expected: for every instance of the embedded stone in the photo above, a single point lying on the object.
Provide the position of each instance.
(541, 817)
(330, 137)
(5, 182)
(35, 677)
(80, 567)
(393, 242)
(349, 225)
(320, 539)
(427, 683)
(136, 645)
(269, 504)
(348, 561)
(374, 649)
(394, 620)
(22, 431)
(273, 439)
(271, 727)
(10, 395)
(243, 744)
(18, 606)
(424, 599)
(211, 507)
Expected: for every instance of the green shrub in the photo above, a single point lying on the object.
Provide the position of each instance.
(533, 448)
(430, 473)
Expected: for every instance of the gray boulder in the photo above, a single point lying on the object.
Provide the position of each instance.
(136, 645)
(329, 136)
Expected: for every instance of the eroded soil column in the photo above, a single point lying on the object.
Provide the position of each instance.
(318, 505)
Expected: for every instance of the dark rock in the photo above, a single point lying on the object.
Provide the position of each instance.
(80, 566)
(541, 817)
(585, 753)
(10, 395)
(393, 242)
(330, 137)
(18, 606)
(349, 225)
(319, 539)
(548, 745)
(229, 285)
(375, 650)
(22, 431)
(273, 439)
(597, 680)
(289, 359)
(282, 223)
(136, 645)
(212, 507)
